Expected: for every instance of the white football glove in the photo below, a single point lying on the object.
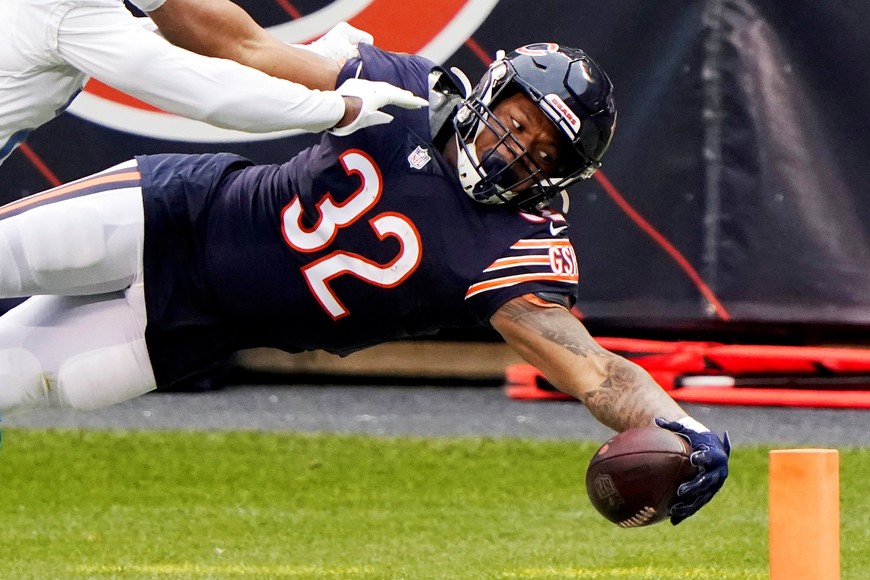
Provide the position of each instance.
(374, 95)
(340, 43)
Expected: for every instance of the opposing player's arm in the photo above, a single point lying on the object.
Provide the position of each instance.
(105, 42)
(617, 392)
(222, 29)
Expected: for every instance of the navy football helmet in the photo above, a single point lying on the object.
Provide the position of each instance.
(570, 89)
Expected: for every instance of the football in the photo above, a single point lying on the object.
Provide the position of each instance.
(632, 479)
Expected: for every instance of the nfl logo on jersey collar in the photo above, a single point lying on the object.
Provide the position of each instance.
(418, 158)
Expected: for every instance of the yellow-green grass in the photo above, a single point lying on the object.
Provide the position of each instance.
(249, 505)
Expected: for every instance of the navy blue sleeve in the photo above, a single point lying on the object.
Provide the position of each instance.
(407, 71)
(541, 261)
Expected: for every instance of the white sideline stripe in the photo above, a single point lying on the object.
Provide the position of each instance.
(702, 381)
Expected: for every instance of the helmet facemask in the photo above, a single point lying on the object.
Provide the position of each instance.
(489, 177)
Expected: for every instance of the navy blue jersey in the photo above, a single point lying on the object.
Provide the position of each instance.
(356, 241)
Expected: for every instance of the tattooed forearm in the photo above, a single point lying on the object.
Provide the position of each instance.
(617, 392)
(628, 397)
(552, 325)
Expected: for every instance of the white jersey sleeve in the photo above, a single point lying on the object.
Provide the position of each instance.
(103, 40)
(148, 5)
(35, 83)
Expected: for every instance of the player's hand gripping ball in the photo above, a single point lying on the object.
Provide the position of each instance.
(632, 480)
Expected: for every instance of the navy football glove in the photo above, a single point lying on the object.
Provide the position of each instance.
(710, 455)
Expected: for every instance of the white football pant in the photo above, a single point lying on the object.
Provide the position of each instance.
(79, 342)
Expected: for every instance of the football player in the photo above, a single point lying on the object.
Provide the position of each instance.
(49, 49)
(158, 270)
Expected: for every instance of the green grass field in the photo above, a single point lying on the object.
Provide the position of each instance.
(251, 505)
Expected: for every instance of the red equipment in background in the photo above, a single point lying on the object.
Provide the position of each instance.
(715, 373)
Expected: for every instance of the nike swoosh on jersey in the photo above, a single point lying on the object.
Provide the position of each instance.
(556, 230)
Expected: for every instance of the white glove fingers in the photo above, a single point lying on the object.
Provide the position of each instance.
(377, 118)
(351, 34)
(406, 100)
(374, 96)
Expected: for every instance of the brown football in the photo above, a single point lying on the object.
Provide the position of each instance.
(632, 479)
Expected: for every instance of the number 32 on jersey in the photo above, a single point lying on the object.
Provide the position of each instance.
(334, 216)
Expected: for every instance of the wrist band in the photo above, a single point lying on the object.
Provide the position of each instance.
(690, 423)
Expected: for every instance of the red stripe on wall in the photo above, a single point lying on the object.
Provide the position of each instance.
(478, 50)
(289, 9)
(39, 164)
(668, 247)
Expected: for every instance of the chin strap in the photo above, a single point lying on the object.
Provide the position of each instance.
(466, 165)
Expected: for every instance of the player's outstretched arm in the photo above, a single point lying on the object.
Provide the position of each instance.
(215, 90)
(617, 392)
(222, 29)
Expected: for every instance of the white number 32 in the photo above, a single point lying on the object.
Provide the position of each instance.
(334, 216)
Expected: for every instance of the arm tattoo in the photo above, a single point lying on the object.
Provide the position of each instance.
(551, 324)
(627, 397)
